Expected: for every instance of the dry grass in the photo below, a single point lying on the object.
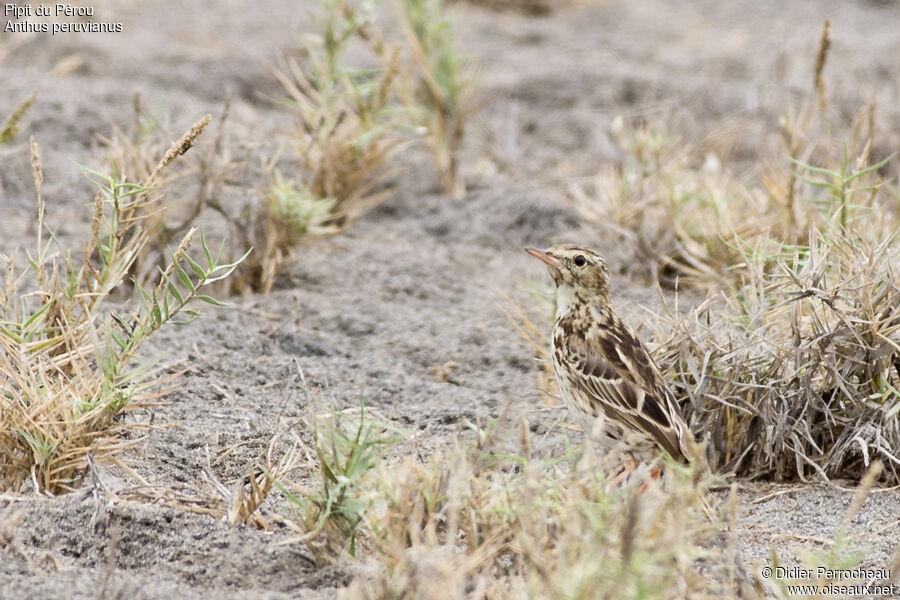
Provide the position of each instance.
(346, 126)
(682, 216)
(237, 502)
(792, 366)
(488, 518)
(350, 122)
(344, 138)
(441, 93)
(69, 370)
(329, 509)
(689, 217)
(479, 521)
(346, 132)
(290, 216)
(273, 222)
(182, 193)
(248, 493)
(455, 529)
(797, 371)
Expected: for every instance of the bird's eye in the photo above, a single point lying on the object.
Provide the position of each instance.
(580, 261)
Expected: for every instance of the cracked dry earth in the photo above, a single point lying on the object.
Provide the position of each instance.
(415, 284)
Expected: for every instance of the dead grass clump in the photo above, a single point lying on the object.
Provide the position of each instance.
(440, 95)
(349, 121)
(69, 368)
(274, 222)
(346, 132)
(796, 372)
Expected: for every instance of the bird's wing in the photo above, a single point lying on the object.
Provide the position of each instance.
(619, 371)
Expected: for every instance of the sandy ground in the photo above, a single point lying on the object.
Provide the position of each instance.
(415, 284)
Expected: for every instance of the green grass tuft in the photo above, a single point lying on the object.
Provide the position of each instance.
(70, 365)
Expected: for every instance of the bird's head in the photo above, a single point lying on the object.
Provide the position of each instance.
(576, 271)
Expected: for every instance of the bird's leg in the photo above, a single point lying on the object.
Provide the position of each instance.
(628, 468)
(625, 471)
(655, 473)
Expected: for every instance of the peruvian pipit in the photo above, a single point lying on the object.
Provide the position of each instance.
(604, 371)
(607, 377)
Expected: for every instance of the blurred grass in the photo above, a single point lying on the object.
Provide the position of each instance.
(10, 128)
(477, 519)
(438, 90)
(347, 128)
(352, 117)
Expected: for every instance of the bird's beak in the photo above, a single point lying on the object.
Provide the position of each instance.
(543, 256)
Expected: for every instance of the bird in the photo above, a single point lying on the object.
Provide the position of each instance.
(604, 371)
(607, 375)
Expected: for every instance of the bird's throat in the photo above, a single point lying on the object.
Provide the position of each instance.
(566, 300)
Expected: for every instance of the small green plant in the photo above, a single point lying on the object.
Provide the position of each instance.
(346, 126)
(182, 193)
(330, 509)
(298, 212)
(70, 362)
(292, 214)
(10, 128)
(841, 193)
(441, 94)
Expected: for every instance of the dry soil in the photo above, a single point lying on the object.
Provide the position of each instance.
(415, 284)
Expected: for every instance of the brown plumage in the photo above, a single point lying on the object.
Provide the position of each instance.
(603, 369)
(606, 374)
